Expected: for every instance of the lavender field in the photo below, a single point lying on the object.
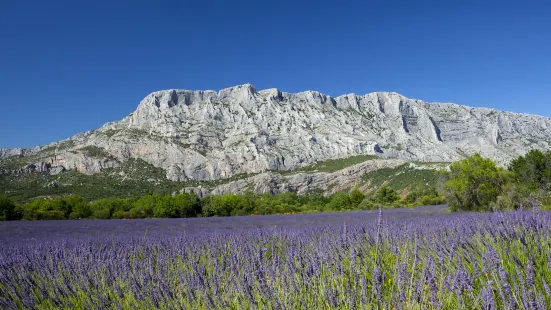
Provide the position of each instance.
(422, 258)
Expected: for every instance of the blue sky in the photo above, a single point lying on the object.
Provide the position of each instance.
(68, 67)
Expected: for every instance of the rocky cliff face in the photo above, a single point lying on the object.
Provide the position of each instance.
(208, 135)
(5, 153)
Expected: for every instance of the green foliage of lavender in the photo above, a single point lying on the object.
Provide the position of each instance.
(438, 261)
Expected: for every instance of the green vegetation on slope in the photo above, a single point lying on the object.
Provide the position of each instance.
(403, 177)
(135, 177)
(95, 151)
(332, 165)
(132, 178)
(60, 146)
(472, 184)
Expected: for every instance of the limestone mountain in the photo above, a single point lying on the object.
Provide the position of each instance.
(209, 135)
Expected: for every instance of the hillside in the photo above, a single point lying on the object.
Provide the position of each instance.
(268, 141)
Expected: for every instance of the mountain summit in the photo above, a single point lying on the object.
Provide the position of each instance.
(209, 135)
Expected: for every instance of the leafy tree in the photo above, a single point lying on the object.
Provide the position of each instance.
(31, 210)
(422, 196)
(187, 205)
(385, 195)
(144, 206)
(222, 205)
(105, 208)
(417, 194)
(8, 209)
(76, 207)
(368, 204)
(46, 209)
(474, 184)
(167, 206)
(340, 201)
(533, 170)
(356, 196)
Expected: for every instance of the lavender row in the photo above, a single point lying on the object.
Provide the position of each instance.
(490, 261)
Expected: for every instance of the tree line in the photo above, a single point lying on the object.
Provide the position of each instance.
(478, 184)
(191, 205)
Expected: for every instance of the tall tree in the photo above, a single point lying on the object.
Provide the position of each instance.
(474, 184)
(533, 170)
(8, 209)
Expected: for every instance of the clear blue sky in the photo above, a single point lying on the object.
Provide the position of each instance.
(67, 67)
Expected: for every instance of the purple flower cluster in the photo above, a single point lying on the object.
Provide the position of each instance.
(426, 261)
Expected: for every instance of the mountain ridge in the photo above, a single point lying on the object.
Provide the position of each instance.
(14, 151)
(208, 135)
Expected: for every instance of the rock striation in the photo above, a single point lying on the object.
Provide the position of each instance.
(209, 135)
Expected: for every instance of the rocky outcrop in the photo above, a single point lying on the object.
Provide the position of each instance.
(57, 170)
(302, 183)
(199, 191)
(32, 168)
(209, 135)
(82, 162)
(6, 153)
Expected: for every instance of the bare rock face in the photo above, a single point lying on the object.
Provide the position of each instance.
(199, 191)
(82, 162)
(32, 168)
(5, 153)
(209, 135)
(57, 170)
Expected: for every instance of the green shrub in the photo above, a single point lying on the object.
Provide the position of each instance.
(339, 201)
(367, 204)
(356, 196)
(474, 184)
(399, 204)
(101, 214)
(385, 195)
(533, 170)
(187, 205)
(79, 208)
(9, 210)
(428, 200)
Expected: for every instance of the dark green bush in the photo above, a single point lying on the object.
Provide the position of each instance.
(9, 210)
(385, 195)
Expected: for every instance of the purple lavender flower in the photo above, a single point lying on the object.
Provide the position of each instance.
(487, 297)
